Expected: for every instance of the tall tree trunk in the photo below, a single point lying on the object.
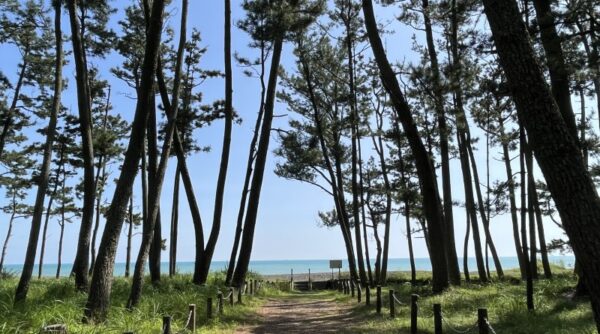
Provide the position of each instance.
(431, 202)
(470, 204)
(8, 235)
(541, 235)
(486, 223)
(38, 209)
(444, 131)
(174, 224)
(512, 199)
(156, 186)
(62, 231)
(531, 210)
(261, 157)
(81, 262)
(525, 242)
(100, 288)
(249, 168)
(411, 253)
(46, 221)
(129, 237)
(466, 249)
(363, 214)
(156, 243)
(218, 210)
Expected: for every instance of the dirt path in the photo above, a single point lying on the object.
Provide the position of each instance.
(306, 313)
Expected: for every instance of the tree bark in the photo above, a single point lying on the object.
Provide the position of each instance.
(156, 244)
(100, 288)
(8, 235)
(129, 237)
(444, 131)
(261, 158)
(431, 201)
(220, 192)
(23, 287)
(174, 224)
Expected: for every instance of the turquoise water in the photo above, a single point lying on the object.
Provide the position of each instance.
(274, 267)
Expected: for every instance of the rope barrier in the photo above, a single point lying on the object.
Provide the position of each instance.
(397, 300)
(229, 295)
(189, 319)
(455, 330)
(490, 326)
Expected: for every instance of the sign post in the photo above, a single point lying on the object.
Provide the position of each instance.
(335, 264)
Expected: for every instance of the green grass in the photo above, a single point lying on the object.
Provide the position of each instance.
(53, 301)
(505, 300)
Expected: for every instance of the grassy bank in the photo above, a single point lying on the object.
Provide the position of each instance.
(53, 301)
(555, 311)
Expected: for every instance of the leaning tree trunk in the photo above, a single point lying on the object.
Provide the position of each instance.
(129, 237)
(156, 186)
(512, 200)
(220, 192)
(531, 210)
(156, 246)
(431, 202)
(174, 224)
(466, 250)
(11, 220)
(444, 131)
(82, 256)
(261, 158)
(363, 214)
(38, 209)
(100, 288)
(524, 239)
(46, 221)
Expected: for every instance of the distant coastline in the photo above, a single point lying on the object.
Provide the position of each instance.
(284, 267)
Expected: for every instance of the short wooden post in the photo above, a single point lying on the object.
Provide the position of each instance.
(414, 312)
(245, 286)
(309, 281)
(240, 296)
(437, 318)
(220, 301)
(256, 285)
(166, 325)
(251, 287)
(379, 299)
(352, 287)
(482, 315)
(340, 286)
(367, 295)
(231, 296)
(192, 314)
(209, 304)
(358, 293)
(392, 304)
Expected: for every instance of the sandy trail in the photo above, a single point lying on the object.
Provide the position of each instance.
(301, 315)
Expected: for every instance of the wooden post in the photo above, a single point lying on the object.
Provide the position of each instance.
(309, 281)
(414, 312)
(192, 313)
(367, 295)
(256, 286)
(359, 293)
(482, 315)
(251, 287)
(220, 301)
(352, 287)
(437, 318)
(231, 290)
(379, 299)
(209, 312)
(392, 304)
(240, 296)
(292, 279)
(166, 325)
(340, 285)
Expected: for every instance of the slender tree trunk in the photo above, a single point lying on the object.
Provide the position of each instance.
(531, 210)
(482, 212)
(444, 131)
(46, 220)
(129, 237)
(156, 186)
(431, 202)
(541, 235)
(23, 287)
(81, 262)
(525, 242)
(220, 192)
(8, 235)
(512, 199)
(257, 178)
(174, 224)
(156, 243)
(61, 237)
(363, 214)
(466, 249)
(411, 253)
(470, 205)
(100, 288)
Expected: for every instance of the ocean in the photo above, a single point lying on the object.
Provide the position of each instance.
(277, 267)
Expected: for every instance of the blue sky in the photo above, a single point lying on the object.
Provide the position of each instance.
(287, 225)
